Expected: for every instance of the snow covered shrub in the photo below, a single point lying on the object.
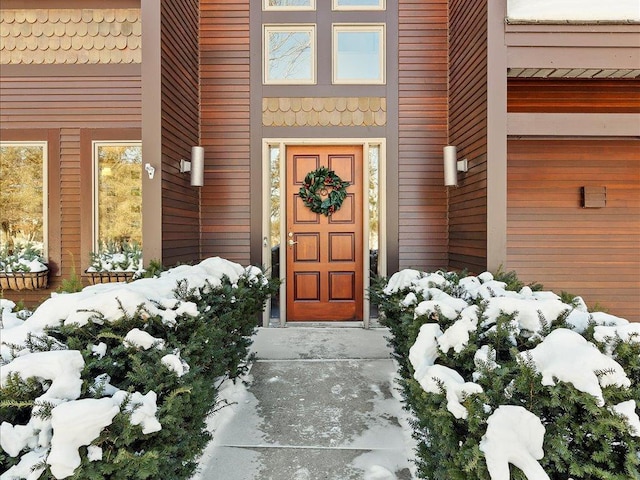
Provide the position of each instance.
(497, 377)
(116, 381)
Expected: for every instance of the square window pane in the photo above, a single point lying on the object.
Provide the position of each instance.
(289, 55)
(289, 4)
(358, 4)
(358, 55)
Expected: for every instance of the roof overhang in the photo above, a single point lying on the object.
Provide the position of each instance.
(572, 50)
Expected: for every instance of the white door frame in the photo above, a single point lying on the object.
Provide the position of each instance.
(282, 143)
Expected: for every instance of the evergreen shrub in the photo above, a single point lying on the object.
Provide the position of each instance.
(214, 344)
(583, 440)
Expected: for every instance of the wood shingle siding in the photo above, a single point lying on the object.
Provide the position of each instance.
(468, 132)
(591, 252)
(180, 130)
(225, 130)
(422, 123)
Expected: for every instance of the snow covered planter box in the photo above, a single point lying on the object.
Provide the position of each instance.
(513, 383)
(116, 381)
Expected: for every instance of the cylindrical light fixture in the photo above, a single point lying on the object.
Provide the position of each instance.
(450, 155)
(197, 166)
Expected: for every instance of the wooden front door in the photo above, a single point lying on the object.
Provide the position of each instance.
(324, 253)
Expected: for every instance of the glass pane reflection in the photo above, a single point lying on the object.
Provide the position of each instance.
(289, 56)
(274, 231)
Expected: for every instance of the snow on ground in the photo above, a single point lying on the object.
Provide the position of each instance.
(514, 434)
(578, 10)
(76, 422)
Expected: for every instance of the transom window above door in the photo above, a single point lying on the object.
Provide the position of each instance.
(289, 54)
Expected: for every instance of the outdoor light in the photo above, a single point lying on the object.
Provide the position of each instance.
(452, 166)
(195, 166)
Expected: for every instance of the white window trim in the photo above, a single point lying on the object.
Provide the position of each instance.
(303, 28)
(282, 144)
(311, 6)
(381, 6)
(95, 145)
(45, 187)
(350, 27)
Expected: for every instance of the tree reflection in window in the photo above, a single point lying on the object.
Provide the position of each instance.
(118, 193)
(289, 55)
(22, 201)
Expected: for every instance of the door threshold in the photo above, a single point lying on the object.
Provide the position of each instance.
(373, 323)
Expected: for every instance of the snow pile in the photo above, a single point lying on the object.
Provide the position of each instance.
(577, 10)
(74, 422)
(514, 435)
(479, 306)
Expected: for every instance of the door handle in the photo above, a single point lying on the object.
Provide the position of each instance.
(291, 242)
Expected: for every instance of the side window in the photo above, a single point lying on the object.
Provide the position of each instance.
(23, 195)
(289, 54)
(117, 194)
(358, 54)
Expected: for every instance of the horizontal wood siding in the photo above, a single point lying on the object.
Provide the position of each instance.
(225, 128)
(422, 123)
(591, 252)
(468, 132)
(573, 96)
(66, 106)
(180, 130)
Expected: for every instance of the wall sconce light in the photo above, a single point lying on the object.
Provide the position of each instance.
(195, 166)
(452, 166)
(150, 170)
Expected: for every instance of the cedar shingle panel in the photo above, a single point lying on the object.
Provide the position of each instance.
(70, 36)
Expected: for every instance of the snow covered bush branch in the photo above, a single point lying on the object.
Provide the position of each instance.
(498, 377)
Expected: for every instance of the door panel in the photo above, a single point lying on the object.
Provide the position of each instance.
(324, 254)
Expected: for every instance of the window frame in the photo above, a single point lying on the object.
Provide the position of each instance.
(310, 7)
(95, 145)
(44, 144)
(337, 7)
(337, 28)
(309, 28)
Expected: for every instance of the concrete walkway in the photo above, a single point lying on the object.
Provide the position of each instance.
(321, 403)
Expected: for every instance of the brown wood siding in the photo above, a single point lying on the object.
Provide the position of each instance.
(591, 252)
(422, 122)
(180, 130)
(225, 128)
(573, 96)
(468, 132)
(66, 106)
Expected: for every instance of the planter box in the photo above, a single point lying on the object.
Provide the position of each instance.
(109, 277)
(24, 280)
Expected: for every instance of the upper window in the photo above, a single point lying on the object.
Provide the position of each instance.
(289, 5)
(358, 54)
(118, 194)
(23, 194)
(358, 5)
(289, 54)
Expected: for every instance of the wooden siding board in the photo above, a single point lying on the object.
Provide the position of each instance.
(594, 253)
(422, 122)
(225, 128)
(468, 131)
(180, 102)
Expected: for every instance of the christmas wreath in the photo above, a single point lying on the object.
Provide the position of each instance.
(323, 191)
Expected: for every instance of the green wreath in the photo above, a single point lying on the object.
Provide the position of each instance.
(322, 180)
